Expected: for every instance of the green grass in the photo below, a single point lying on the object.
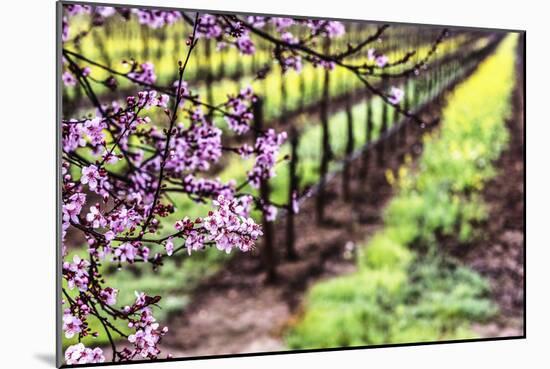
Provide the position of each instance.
(399, 295)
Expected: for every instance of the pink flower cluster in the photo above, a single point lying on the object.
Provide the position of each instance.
(147, 334)
(396, 95)
(291, 61)
(208, 27)
(240, 111)
(128, 251)
(76, 273)
(207, 188)
(71, 324)
(79, 354)
(380, 60)
(229, 230)
(156, 18)
(144, 73)
(266, 148)
(332, 29)
(195, 148)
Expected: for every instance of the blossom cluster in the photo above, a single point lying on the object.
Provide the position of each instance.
(266, 149)
(380, 60)
(195, 147)
(240, 110)
(147, 333)
(144, 73)
(79, 354)
(156, 18)
(396, 95)
(230, 230)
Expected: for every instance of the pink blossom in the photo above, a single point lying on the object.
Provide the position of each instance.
(79, 354)
(256, 22)
(381, 60)
(295, 206)
(65, 30)
(163, 101)
(208, 26)
(145, 73)
(371, 54)
(194, 241)
(126, 252)
(69, 79)
(169, 246)
(94, 129)
(282, 23)
(72, 136)
(108, 295)
(72, 208)
(195, 147)
(229, 230)
(289, 38)
(270, 213)
(291, 62)
(71, 325)
(76, 273)
(240, 107)
(244, 204)
(245, 151)
(105, 11)
(267, 148)
(245, 45)
(73, 9)
(156, 18)
(335, 29)
(396, 95)
(95, 218)
(90, 176)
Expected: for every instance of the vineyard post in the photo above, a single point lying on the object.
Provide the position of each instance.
(349, 150)
(209, 77)
(406, 107)
(283, 107)
(416, 93)
(383, 129)
(292, 191)
(268, 251)
(176, 39)
(302, 86)
(79, 92)
(368, 137)
(394, 136)
(239, 69)
(145, 37)
(325, 144)
(222, 70)
(433, 82)
(161, 49)
(99, 44)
